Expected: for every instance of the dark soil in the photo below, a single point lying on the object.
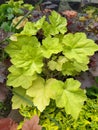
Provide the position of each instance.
(6, 108)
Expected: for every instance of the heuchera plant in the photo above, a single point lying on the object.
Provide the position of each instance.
(45, 59)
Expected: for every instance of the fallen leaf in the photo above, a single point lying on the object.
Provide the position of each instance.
(32, 124)
(21, 24)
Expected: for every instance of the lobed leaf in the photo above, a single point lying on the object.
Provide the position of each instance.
(71, 98)
(57, 65)
(15, 46)
(19, 77)
(78, 47)
(42, 91)
(29, 58)
(73, 68)
(56, 24)
(51, 46)
(67, 67)
(32, 28)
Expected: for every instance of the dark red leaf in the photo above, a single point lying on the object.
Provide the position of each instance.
(7, 124)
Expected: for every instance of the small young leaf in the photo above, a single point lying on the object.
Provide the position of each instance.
(57, 65)
(52, 65)
(73, 67)
(67, 67)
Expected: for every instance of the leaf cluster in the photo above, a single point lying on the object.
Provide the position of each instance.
(38, 65)
(10, 10)
(56, 118)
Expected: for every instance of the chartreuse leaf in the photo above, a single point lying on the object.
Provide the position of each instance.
(42, 91)
(67, 94)
(39, 23)
(20, 77)
(57, 65)
(15, 46)
(51, 46)
(71, 98)
(29, 29)
(28, 6)
(58, 21)
(78, 47)
(67, 67)
(32, 28)
(73, 68)
(29, 58)
(52, 65)
(20, 98)
(56, 24)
